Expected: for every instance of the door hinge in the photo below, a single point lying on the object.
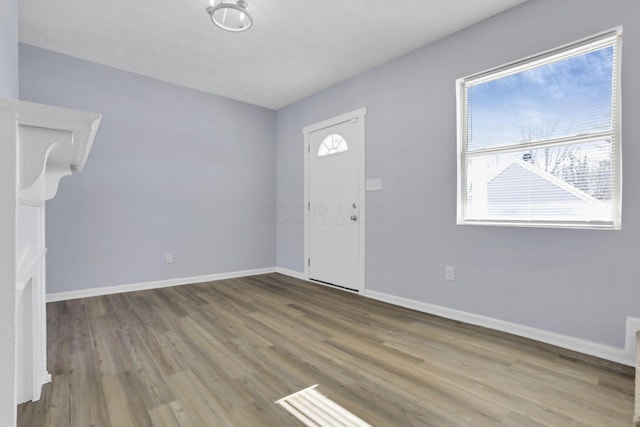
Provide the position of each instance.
(309, 205)
(309, 262)
(309, 148)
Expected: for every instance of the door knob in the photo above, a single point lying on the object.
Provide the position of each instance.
(354, 217)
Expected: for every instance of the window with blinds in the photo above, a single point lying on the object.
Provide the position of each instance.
(539, 139)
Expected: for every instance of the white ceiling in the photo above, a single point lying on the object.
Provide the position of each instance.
(295, 48)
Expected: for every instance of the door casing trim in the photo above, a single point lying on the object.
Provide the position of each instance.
(358, 115)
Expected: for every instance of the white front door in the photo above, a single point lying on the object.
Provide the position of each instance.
(335, 159)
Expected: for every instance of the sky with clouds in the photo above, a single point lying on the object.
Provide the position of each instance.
(568, 97)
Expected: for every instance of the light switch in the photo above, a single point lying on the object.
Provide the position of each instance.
(373, 184)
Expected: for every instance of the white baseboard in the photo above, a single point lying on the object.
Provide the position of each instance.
(108, 290)
(624, 356)
(45, 378)
(630, 342)
(290, 273)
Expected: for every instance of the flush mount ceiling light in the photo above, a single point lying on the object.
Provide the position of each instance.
(230, 16)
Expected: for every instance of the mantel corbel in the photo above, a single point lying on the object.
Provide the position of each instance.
(53, 142)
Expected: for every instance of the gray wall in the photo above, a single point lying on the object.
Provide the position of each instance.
(8, 89)
(9, 49)
(576, 282)
(171, 169)
(8, 184)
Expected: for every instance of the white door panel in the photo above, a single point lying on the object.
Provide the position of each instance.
(334, 194)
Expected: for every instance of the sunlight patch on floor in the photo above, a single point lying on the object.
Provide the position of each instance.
(316, 410)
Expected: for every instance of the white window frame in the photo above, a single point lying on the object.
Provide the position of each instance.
(606, 38)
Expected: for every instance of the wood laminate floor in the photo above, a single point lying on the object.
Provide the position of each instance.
(221, 353)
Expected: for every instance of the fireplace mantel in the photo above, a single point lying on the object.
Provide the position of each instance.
(50, 143)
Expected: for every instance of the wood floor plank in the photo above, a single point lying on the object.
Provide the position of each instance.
(163, 416)
(123, 403)
(87, 401)
(221, 353)
(170, 415)
(199, 403)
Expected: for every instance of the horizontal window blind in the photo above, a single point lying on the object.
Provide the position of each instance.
(539, 142)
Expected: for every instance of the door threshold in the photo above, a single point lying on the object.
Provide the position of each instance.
(334, 285)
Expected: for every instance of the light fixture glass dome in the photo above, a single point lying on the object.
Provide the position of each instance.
(230, 16)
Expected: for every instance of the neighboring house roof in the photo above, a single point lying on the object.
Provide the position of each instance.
(551, 179)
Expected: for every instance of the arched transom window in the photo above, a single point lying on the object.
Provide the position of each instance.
(332, 144)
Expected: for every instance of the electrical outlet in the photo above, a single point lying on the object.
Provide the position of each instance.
(168, 257)
(449, 272)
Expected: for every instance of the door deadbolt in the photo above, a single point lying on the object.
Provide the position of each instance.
(354, 217)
